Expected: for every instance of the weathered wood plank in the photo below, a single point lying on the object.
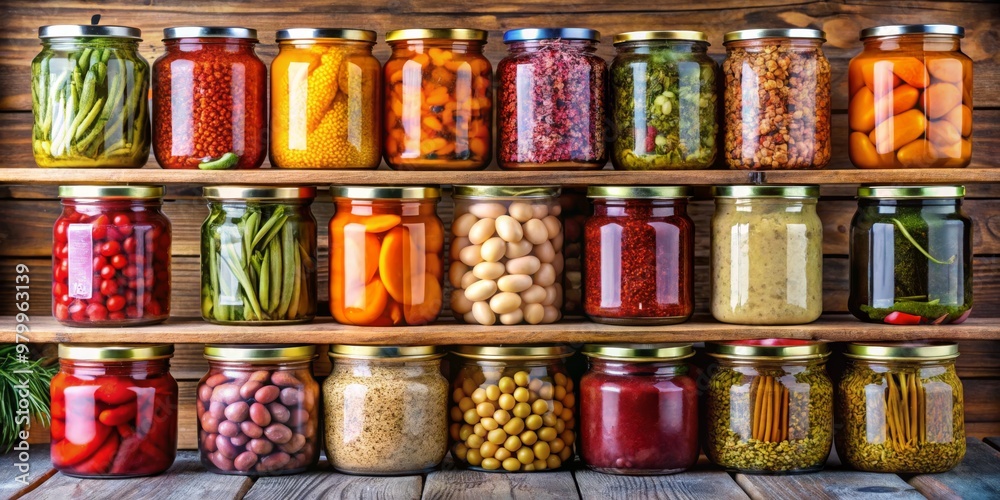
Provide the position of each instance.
(17, 479)
(828, 484)
(457, 484)
(977, 477)
(328, 485)
(978, 359)
(994, 442)
(980, 430)
(693, 484)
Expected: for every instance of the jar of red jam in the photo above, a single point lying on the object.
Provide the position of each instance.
(111, 256)
(114, 410)
(638, 409)
(639, 256)
(209, 99)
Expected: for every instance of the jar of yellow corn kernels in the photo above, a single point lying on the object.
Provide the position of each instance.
(325, 105)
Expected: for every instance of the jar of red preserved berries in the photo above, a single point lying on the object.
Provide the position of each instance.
(114, 410)
(639, 256)
(111, 256)
(209, 99)
(638, 409)
(552, 88)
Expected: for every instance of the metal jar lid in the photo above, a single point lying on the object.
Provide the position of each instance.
(386, 192)
(506, 191)
(112, 192)
(326, 33)
(259, 353)
(115, 352)
(913, 29)
(756, 34)
(766, 191)
(396, 353)
(638, 353)
(209, 32)
(258, 192)
(895, 351)
(514, 353)
(638, 192)
(88, 31)
(459, 34)
(763, 349)
(676, 35)
(528, 34)
(911, 192)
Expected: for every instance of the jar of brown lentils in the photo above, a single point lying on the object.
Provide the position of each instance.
(777, 99)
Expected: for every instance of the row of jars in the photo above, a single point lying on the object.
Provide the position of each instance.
(910, 256)
(391, 410)
(431, 106)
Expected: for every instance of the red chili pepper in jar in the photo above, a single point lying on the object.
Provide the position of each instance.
(901, 318)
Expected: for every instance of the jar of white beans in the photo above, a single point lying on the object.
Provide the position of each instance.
(506, 255)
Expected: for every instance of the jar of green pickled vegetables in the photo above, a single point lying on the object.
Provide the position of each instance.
(258, 255)
(89, 89)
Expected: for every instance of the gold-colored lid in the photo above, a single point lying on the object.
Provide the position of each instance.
(401, 353)
(471, 35)
(106, 192)
(755, 34)
(515, 352)
(506, 191)
(115, 352)
(889, 351)
(644, 192)
(639, 352)
(259, 353)
(258, 192)
(386, 192)
(678, 35)
(325, 33)
(911, 192)
(751, 191)
(784, 349)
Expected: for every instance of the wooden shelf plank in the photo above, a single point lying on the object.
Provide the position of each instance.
(17, 482)
(693, 484)
(978, 476)
(830, 483)
(322, 331)
(459, 484)
(326, 484)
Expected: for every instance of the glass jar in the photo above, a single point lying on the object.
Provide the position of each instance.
(258, 255)
(901, 408)
(551, 100)
(911, 98)
(386, 256)
(386, 410)
(258, 410)
(638, 409)
(777, 99)
(911, 255)
(639, 256)
(88, 98)
(751, 427)
(506, 255)
(438, 100)
(111, 257)
(337, 124)
(209, 99)
(575, 211)
(671, 76)
(114, 410)
(513, 408)
(751, 226)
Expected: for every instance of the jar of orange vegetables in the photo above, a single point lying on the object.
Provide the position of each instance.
(325, 111)
(386, 250)
(438, 100)
(911, 98)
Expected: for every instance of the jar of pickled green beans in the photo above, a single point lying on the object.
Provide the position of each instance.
(88, 97)
(258, 255)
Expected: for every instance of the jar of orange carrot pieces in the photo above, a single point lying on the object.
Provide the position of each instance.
(911, 98)
(438, 100)
(386, 254)
(325, 107)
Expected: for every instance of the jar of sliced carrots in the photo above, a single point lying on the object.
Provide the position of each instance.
(911, 98)
(386, 251)
(438, 100)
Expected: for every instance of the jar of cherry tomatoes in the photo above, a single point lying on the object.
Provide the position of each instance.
(438, 100)
(111, 256)
(638, 409)
(386, 255)
(114, 410)
(209, 99)
(639, 256)
(911, 98)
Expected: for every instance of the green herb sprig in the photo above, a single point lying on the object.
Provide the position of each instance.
(39, 374)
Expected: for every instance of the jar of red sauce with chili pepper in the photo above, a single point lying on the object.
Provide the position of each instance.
(111, 256)
(209, 99)
(114, 410)
(638, 409)
(639, 256)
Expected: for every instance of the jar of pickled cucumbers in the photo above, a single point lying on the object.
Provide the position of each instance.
(386, 255)
(513, 408)
(325, 100)
(438, 100)
(88, 98)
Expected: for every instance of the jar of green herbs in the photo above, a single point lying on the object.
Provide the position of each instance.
(258, 255)
(901, 408)
(663, 101)
(911, 255)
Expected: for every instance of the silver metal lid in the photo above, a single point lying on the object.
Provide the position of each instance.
(209, 32)
(772, 191)
(88, 30)
(733, 36)
(328, 33)
(913, 29)
(526, 34)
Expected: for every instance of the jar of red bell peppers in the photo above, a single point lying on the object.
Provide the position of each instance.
(111, 256)
(209, 99)
(114, 410)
